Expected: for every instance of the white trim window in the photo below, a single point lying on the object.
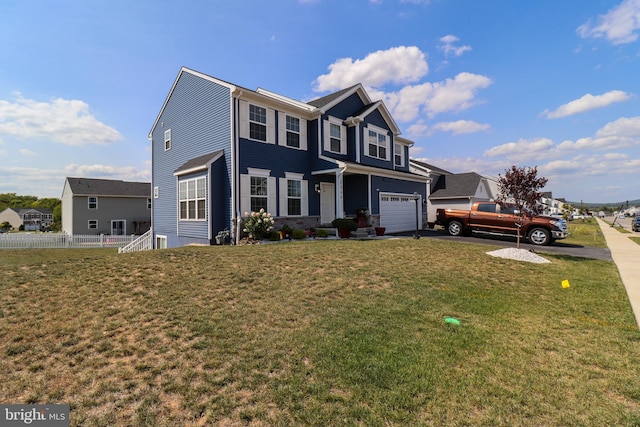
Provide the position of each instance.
(167, 140)
(257, 122)
(335, 136)
(294, 195)
(192, 195)
(148, 203)
(377, 143)
(292, 131)
(398, 154)
(92, 224)
(257, 191)
(92, 202)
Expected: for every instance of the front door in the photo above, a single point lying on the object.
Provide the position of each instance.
(327, 202)
(118, 227)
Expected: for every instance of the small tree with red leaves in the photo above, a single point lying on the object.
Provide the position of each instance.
(519, 187)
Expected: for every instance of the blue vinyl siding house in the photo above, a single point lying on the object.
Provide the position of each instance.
(220, 150)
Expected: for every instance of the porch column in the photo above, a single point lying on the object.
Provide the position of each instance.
(339, 193)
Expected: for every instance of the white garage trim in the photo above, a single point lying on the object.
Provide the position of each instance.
(398, 212)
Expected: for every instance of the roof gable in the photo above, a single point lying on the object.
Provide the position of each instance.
(326, 102)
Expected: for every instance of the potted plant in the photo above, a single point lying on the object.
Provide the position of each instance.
(362, 214)
(345, 226)
(380, 231)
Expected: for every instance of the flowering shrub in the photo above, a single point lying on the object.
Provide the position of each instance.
(258, 224)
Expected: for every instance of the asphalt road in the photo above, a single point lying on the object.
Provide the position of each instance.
(558, 247)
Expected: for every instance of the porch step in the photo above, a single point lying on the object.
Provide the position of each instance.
(361, 232)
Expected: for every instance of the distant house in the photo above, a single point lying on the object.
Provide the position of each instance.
(220, 150)
(29, 219)
(103, 206)
(552, 206)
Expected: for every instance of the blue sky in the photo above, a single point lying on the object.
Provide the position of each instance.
(478, 85)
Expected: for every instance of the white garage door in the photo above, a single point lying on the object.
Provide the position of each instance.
(398, 212)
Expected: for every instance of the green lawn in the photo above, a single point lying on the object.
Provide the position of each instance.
(585, 232)
(318, 333)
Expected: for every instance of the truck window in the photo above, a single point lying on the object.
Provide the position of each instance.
(487, 207)
(510, 210)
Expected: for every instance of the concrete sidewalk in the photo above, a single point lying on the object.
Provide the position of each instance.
(626, 255)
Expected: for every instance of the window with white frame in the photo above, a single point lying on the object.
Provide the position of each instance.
(378, 145)
(293, 131)
(92, 224)
(148, 203)
(398, 154)
(293, 197)
(193, 199)
(167, 139)
(335, 136)
(93, 202)
(259, 193)
(257, 122)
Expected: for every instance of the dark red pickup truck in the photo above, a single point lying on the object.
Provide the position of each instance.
(492, 218)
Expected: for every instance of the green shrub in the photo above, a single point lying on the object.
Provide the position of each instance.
(299, 234)
(322, 233)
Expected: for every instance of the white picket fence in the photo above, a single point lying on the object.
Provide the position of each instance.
(62, 240)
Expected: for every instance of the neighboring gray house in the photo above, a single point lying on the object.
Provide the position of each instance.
(454, 191)
(30, 219)
(461, 191)
(104, 206)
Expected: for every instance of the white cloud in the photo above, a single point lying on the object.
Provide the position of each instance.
(620, 25)
(460, 127)
(452, 95)
(621, 133)
(128, 173)
(448, 47)
(64, 121)
(28, 153)
(586, 103)
(523, 149)
(398, 65)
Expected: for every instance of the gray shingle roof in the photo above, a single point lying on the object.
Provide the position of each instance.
(108, 187)
(321, 102)
(456, 185)
(198, 162)
(435, 169)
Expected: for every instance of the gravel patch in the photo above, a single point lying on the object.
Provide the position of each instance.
(519, 255)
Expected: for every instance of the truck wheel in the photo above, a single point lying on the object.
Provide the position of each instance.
(455, 228)
(539, 236)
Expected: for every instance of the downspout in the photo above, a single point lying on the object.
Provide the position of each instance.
(235, 228)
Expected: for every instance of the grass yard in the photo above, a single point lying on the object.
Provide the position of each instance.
(323, 333)
(585, 232)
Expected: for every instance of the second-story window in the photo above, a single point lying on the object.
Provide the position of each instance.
(167, 139)
(335, 136)
(398, 154)
(257, 123)
(378, 144)
(293, 131)
(93, 203)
